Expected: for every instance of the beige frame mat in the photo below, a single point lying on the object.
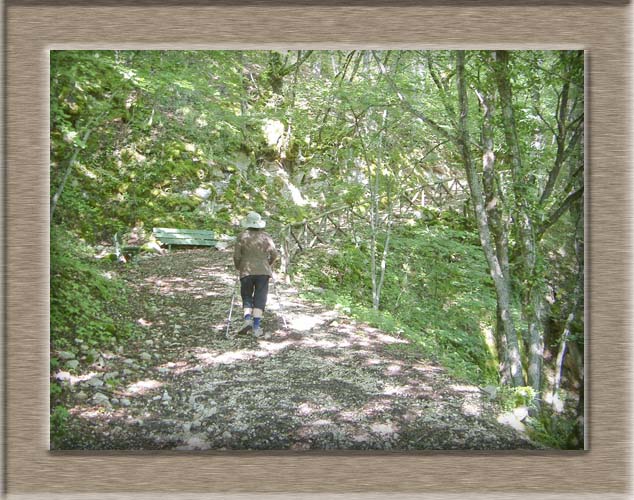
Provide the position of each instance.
(31, 471)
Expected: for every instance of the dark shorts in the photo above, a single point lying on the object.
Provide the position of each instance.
(254, 290)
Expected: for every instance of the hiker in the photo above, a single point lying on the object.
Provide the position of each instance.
(254, 255)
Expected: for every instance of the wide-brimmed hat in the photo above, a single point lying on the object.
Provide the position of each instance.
(253, 220)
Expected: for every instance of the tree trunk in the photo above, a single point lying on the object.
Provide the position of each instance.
(498, 228)
(532, 302)
(69, 168)
(502, 284)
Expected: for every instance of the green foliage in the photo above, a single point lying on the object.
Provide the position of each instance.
(59, 418)
(151, 130)
(437, 293)
(514, 397)
(556, 431)
(85, 303)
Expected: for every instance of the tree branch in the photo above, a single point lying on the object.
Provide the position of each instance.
(556, 214)
(438, 128)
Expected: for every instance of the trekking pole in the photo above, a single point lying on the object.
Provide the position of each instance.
(233, 296)
(279, 303)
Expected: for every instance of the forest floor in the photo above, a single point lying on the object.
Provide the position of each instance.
(322, 381)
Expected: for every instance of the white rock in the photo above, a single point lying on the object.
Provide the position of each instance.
(61, 375)
(166, 396)
(521, 413)
(65, 355)
(81, 395)
(511, 420)
(124, 402)
(145, 356)
(226, 435)
(202, 193)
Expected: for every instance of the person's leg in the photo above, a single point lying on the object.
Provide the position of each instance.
(247, 288)
(259, 301)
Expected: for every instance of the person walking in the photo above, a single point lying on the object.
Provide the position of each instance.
(254, 257)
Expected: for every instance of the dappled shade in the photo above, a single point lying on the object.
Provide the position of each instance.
(332, 382)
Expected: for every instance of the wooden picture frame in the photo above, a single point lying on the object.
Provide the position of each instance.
(34, 27)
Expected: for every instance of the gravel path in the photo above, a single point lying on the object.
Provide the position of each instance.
(321, 382)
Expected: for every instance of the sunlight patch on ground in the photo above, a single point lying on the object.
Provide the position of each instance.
(91, 414)
(385, 428)
(374, 361)
(420, 388)
(98, 413)
(377, 406)
(303, 323)
(471, 408)
(225, 358)
(143, 386)
(271, 347)
(464, 388)
(427, 368)
(395, 390)
(208, 294)
(73, 379)
(306, 409)
(360, 437)
(350, 416)
(321, 421)
(393, 369)
(211, 358)
(177, 368)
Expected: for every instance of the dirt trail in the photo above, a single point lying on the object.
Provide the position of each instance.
(323, 382)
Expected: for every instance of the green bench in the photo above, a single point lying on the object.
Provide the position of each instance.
(192, 237)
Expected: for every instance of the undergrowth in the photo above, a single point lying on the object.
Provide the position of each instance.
(87, 313)
(437, 294)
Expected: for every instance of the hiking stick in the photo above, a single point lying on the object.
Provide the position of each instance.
(233, 296)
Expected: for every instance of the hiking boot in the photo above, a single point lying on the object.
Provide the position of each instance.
(257, 332)
(246, 326)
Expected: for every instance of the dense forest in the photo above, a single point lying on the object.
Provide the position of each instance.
(437, 195)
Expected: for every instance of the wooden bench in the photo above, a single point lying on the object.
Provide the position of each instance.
(192, 237)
